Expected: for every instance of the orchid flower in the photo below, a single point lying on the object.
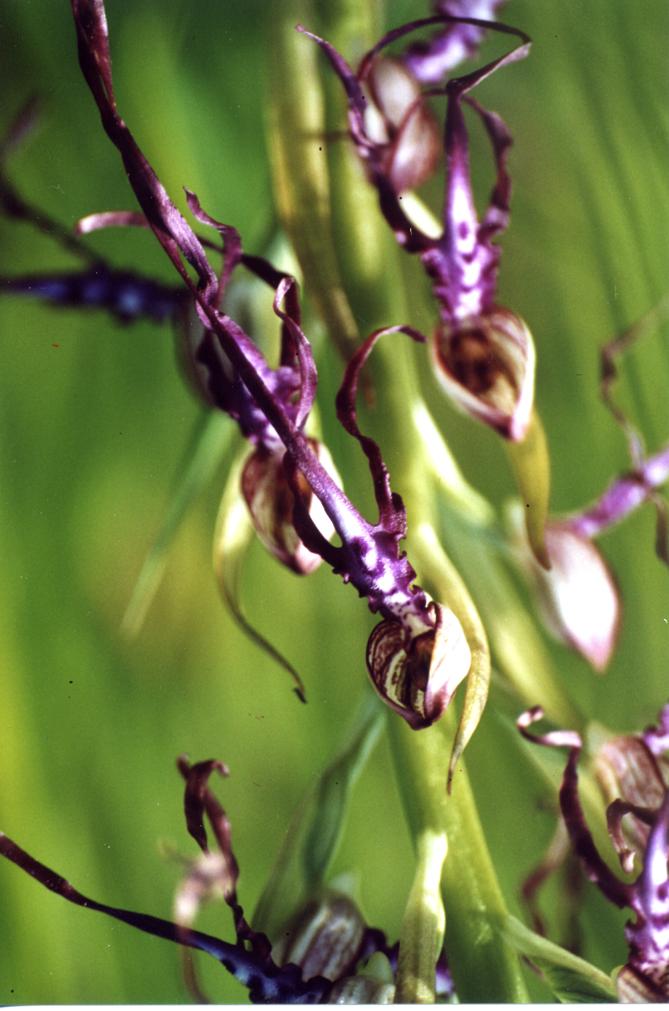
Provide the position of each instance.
(645, 976)
(577, 596)
(418, 654)
(483, 354)
(327, 954)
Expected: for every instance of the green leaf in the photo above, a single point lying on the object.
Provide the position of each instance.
(232, 538)
(205, 451)
(318, 823)
(572, 979)
(296, 131)
(532, 469)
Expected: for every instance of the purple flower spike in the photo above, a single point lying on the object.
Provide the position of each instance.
(645, 976)
(271, 406)
(429, 62)
(483, 354)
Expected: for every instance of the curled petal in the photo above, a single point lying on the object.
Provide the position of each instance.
(615, 814)
(270, 500)
(417, 675)
(570, 804)
(629, 775)
(486, 365)
(430, 61)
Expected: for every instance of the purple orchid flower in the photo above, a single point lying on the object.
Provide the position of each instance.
(322, 955)
(418, 654)
(578, 597)
(483, 354)
(429, 62)
(645, 976)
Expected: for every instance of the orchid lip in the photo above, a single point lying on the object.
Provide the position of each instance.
(486, 365)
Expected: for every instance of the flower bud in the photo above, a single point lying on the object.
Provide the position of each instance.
(270, 501)
(399, 121)
(324, 939)
(417, 674)
(577, 597)
(486, 365)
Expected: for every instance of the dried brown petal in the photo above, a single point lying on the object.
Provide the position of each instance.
(627, 771)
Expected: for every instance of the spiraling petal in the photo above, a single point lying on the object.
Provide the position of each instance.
(430, 61)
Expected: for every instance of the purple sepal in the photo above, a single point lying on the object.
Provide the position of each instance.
(123, 293)
(430, 61)
(625, 495)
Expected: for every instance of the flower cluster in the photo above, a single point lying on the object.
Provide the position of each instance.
(483, 354)
(418, 655)
(634, 774)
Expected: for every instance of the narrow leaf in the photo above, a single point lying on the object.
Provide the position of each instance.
(572, 979)
(300, 173)
(316, 828)
(232, 537)
(531, 466)
(204, 453)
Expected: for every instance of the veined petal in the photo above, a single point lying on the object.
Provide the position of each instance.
(417, 675)
(486, 365)
(270, 500)
(577, 597)
(407, 134)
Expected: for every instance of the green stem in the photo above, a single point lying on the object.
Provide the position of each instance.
(485, 968)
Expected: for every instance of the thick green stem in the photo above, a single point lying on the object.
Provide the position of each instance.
(484, 967)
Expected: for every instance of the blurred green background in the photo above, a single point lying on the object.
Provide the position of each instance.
(96, 418)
